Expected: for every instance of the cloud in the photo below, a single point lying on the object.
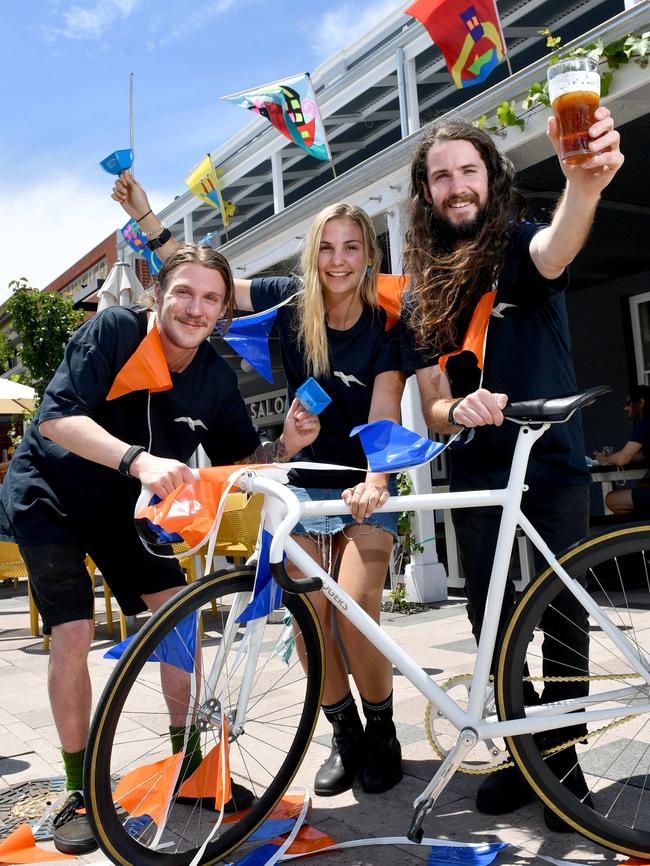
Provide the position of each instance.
(193, 21)
(342, 26)
(40, 243)
(88, 22)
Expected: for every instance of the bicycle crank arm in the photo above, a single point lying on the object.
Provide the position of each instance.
(423, 804)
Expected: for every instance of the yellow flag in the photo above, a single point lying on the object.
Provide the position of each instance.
(204, 184)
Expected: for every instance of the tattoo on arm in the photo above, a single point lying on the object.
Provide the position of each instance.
(268, 452)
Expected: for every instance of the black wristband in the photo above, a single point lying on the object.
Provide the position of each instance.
(161, 240)
(129, 456)
(450, 416)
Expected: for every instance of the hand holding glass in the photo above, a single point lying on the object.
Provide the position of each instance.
(574, 91)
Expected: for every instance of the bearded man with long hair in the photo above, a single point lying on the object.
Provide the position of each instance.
(467, 236)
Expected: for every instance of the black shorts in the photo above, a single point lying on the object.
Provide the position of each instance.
(641, 500)
(61, 585)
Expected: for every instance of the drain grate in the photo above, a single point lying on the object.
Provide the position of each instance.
(26, 802)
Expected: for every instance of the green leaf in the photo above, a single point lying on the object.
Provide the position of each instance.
(605, 82)
(507, 116)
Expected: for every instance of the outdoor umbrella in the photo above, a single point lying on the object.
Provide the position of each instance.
(121, 287)
(15, 399)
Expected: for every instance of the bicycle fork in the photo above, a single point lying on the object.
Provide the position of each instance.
(423, 804)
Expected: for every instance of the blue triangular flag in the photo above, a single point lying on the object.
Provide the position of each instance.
(468, 855)
(249, 337)
(178, 648)
(118, 161)
(267, 595)
(259, 857)
(390, 447)
(272, 828)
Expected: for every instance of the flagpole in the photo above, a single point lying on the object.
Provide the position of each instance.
(131, 133)
(216, 185)
(503, 40)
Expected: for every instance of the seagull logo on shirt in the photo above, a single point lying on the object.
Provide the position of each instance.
(348, 378)
(192, 423)
(500, 308)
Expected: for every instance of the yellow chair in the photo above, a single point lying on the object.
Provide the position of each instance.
(12, 566)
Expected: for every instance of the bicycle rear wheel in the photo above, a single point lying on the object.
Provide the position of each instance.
(607, 764)
(125, 781)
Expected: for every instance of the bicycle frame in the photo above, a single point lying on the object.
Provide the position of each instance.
(283, 510)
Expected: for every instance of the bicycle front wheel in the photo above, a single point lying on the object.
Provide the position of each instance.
(237, 697)
(594, 776)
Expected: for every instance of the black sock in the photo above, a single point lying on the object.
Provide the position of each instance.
(379, 716)
(344, 716)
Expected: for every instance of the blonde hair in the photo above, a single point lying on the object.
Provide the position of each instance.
(310, 304)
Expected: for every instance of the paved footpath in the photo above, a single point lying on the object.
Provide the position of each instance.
(440, 640)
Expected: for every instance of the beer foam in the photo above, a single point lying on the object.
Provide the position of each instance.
(570, 82)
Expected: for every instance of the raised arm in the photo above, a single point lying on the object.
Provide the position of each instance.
(133, 198)
(555, 247)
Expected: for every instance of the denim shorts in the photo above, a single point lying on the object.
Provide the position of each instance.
(331, 524)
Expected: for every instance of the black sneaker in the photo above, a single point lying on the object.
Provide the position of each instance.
(72, 833)
(241, 798)
(503, 791)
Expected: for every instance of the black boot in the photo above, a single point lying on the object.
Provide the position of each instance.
(566, 767)
(503, 791)
(382, 769)
(339, 771)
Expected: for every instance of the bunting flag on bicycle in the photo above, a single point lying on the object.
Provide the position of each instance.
(211, 779)
(178, 648)
(203, 182)
(290, 105)
(390, 288)
(137, 240)
(20, 847)
(476, 335)
(118, 161)
(267, 595)
(148, 790)
(467, 32)
(146, 369)
(389, 447)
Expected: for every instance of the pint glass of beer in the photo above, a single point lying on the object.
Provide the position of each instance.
(574, 91)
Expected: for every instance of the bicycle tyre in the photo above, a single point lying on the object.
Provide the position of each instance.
(133, 712)
(614, 760)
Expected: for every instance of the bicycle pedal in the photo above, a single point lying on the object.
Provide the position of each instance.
(415, 831)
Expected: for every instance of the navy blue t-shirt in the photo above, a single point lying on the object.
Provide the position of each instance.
(641, 434)
(528, 355)
(48, 491)
(357, 356)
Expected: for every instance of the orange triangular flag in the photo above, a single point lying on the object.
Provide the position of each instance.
(146, 369)
(309, 839)
(389, 294)
(20, 847)
(634, 861)
(191, 508)
(474, 340)
(147, 790)
(207, 779)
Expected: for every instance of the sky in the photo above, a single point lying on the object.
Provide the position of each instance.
(64, 81)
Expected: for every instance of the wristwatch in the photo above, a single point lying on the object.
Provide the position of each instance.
(159, 241)
(450, 416)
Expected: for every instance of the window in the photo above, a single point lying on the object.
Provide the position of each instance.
(640, 316)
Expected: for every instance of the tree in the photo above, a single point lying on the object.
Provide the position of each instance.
(44, 323)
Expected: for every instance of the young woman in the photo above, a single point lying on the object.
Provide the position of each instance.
(334, 331)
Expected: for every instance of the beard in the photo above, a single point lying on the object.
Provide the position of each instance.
(447, 234)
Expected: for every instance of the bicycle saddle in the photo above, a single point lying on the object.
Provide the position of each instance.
(553, 409)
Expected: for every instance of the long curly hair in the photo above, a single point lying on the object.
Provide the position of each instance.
(448, 279)
(310, 304)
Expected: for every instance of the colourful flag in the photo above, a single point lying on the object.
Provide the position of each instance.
(133, 235)
(267, 595)
(468, 34)
(291, 107)
(146, 369)
(476, 334)
(178, 648)
(390, 288)
(249, 337)
(20, 847)
(203, 182)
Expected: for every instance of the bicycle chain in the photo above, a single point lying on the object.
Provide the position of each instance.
(550, 751)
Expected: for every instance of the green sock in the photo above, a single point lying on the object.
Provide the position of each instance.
(74, 767)
(193, 756)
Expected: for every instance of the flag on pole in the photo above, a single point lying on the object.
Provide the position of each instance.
(290, 105)
(467, 32)
(203, 182)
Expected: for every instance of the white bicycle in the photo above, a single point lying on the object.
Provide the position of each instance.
(247, 681)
